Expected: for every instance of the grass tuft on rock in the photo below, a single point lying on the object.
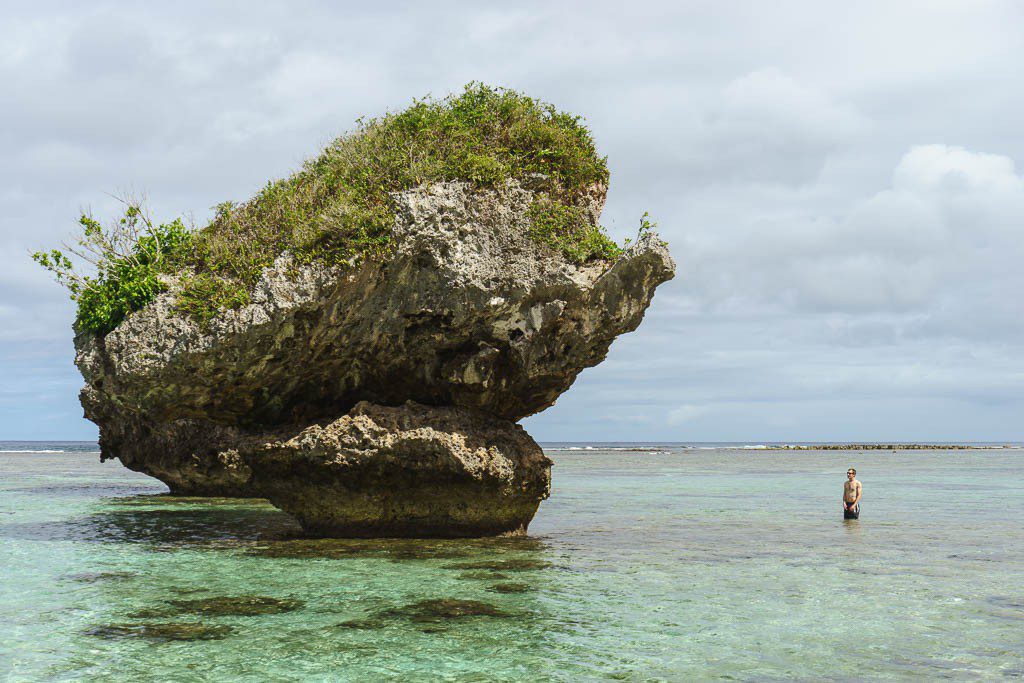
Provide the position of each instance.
(337, 209)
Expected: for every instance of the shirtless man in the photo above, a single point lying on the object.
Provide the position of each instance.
(851, 495)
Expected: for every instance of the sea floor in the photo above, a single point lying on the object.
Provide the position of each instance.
(643, 566)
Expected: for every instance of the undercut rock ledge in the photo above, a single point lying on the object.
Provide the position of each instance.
(379, 398)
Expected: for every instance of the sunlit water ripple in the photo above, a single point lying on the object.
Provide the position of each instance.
(677, 565)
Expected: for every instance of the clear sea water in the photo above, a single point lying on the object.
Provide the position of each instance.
(647, 564)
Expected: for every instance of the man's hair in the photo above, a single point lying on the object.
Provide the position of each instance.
(854, 470)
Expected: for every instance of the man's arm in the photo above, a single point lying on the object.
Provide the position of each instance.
(857, 488)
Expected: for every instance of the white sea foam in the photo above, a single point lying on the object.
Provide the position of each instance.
(632, 449)
(27, 451)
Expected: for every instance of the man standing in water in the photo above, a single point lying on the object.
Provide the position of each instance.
(851, 495)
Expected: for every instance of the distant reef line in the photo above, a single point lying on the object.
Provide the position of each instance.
(889, 447)
(642, 447)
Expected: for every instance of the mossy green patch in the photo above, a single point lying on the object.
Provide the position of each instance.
(338, 208)
(567, 229)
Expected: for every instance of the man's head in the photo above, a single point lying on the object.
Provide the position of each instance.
(851, 473)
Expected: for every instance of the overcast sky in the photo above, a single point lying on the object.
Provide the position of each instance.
(837, 181)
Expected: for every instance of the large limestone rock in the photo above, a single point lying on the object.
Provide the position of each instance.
(407, 471)
(468, 312)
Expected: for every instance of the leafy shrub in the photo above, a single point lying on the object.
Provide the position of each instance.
(128, 256)
(567, 229)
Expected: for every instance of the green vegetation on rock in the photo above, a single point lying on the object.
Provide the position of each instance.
(566, 228)
(338, 209)
(128, 257)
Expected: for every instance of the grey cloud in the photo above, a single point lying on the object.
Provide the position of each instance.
(835, 179)
(947, 225)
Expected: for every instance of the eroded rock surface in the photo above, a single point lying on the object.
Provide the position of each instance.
(468, 313)
(413, 470)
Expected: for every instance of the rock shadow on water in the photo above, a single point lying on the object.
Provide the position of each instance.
(395, 550)
(162, 632)
(89, 489)
(164, 528)
(511, 565)
(174, 522)
(169, 499)
(239, 606)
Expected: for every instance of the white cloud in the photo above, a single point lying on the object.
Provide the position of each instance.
(769, 127)
(945, 170)
(947, 228)
(828, 251)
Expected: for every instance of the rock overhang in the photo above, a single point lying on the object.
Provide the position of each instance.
(468, 313)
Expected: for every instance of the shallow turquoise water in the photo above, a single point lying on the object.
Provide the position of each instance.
(687, 565)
